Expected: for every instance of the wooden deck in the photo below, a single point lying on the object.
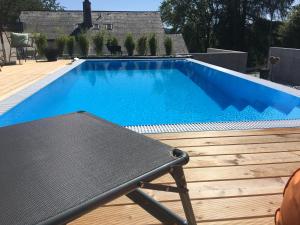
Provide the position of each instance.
(16, 77)
(234, 177)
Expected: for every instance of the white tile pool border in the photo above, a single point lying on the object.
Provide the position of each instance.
(197, 127)
(20, 96)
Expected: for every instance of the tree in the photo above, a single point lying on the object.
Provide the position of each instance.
(193, 18)
(229, 24)
(10, 11)
(290, 30)
(51, 5)
(275, 9)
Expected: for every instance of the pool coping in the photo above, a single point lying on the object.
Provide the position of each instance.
(15, 99)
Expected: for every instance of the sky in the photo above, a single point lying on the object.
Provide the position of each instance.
(114, 5)
(118, 5)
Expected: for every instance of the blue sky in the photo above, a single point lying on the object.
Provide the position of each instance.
(118, 5)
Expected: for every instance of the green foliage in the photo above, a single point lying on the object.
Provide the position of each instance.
(84, 44)
(152, 42)
(98, 41)
(168, 45)
(129, 44)
(70, 45)
(228, 24)
(112, 41)
(142, 46)
(10, 9)
(41, 43)
(61, 43)
(290, 30)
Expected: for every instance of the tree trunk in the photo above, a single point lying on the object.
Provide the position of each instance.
(270, 30)
(3, 46)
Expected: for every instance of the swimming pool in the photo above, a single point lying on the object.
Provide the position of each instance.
(158, 93)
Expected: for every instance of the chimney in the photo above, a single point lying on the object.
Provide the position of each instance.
(87, 14)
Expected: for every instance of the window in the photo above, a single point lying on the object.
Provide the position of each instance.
(96, 26)
(108, 26)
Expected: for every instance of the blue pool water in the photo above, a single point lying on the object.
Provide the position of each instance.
(155, 92)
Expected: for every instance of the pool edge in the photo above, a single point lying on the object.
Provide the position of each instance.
(13, 100)
(221, 126)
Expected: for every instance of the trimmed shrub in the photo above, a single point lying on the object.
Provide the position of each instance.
(60, 44)
(84, 45)
(129, 44)
(142, 45)
(168, 45)
(98, 41)
(41, 43)
(152, 42)
(112, 41)
(70, 45)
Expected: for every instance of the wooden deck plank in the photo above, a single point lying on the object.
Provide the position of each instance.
(205, 210)
(238, 133)
(243, 159)
(242, 149)
(256, 221)
(220, 189)
(236, 172)
(278, 138)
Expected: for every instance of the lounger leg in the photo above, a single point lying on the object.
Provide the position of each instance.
(156, 209)
(178, 175)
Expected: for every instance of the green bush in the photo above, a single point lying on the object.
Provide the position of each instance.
(112, 41)
(98, 41)
(41, 43)
(168, 45)
(60, 44)
(70, 45)
(152, 42)
(129, 44)
(84, 44)
(142, 45)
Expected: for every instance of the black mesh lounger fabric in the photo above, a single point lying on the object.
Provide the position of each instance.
(54, 168)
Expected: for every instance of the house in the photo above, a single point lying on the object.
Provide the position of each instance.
(116, 23)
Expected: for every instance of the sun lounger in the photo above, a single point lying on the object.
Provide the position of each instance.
(55, 170)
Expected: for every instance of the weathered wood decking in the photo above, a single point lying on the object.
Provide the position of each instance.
(234, 177)
(17, 77)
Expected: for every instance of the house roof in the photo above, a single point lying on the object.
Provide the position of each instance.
(138, 23)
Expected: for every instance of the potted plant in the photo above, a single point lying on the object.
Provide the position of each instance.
(142, 45)
(70, 45)
(84, 45)
(168, 45)
(129, 44)
(51, 53)
(98, 41)
(152, 42)
(41, 43)
(60, 44)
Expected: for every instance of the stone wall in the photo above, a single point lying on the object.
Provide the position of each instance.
(233, 60)
(287, 70)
